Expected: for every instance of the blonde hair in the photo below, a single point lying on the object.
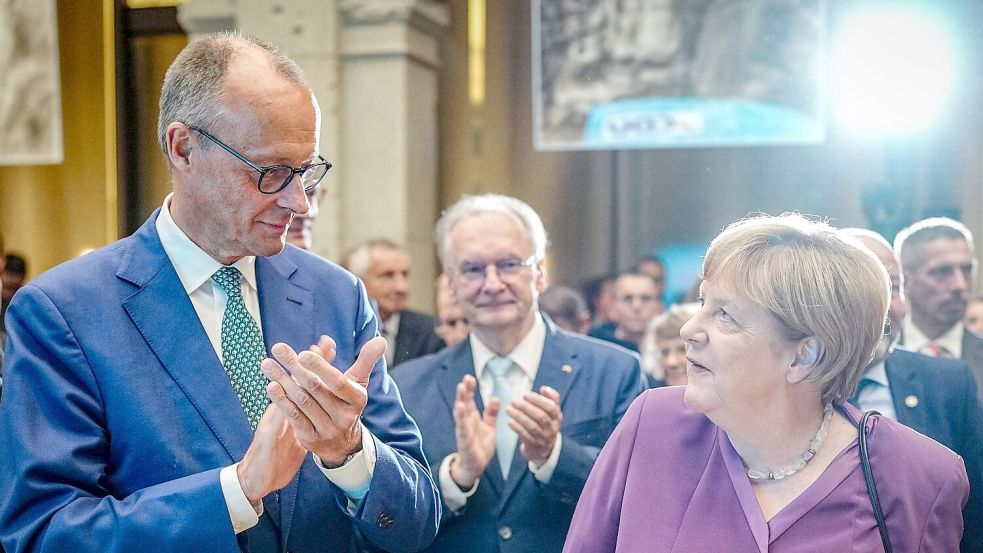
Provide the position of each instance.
(817, 281)
(664, 326)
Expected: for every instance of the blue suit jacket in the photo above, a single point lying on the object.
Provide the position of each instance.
(596, 381)
(937, 397)
(118, 415)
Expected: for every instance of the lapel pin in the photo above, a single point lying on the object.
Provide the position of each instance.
(911, 401)
(567, 369)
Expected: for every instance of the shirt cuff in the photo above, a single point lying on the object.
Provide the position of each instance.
(454, 497)
(242, 513)
(355, 475)
(545, 472)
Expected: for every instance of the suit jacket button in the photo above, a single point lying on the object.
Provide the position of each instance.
(505, 532)
(385, 521)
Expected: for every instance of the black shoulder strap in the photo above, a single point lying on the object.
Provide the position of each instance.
(869, 478)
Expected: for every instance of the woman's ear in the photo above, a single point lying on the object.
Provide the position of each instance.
(810, 353)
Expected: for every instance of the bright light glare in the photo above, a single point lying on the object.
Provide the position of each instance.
(893, 70)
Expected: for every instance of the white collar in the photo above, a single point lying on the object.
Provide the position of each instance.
(526, 354)
(392, 324)
(878, 373)
(952, 340)
(194, 267)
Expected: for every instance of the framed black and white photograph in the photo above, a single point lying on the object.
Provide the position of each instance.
(30, 101)
(612, 74)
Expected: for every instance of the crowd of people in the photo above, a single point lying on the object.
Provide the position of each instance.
(204, 386)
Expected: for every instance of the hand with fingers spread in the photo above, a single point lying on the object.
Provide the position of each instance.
(474, 433)
(273, 457)
(537, 419)
(322, 404)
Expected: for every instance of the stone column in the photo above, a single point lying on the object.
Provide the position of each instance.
(373, 65)
(390, 62)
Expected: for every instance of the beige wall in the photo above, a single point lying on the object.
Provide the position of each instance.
(53, 213)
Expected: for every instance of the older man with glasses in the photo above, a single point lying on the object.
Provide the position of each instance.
(155, 398)
(513, 417)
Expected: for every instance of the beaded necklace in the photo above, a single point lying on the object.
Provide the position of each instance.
(800, 463)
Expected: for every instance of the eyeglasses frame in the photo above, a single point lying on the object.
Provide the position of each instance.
(264, 170)
(523, 264)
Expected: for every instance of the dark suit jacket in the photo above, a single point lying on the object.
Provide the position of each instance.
(937, 397)
(415, 336)
(596, 382)
(973, 355)
(118, 415)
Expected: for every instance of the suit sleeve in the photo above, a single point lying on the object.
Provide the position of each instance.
(56, 457)
(942, 523)
(576, 459)
(401, 510)
(594, 528)
(970, 446)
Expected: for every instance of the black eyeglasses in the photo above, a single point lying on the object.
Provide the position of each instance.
(274, 178)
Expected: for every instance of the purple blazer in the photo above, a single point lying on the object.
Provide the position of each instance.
(668, 480)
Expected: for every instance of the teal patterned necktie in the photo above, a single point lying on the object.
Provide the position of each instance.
(242, 347)
(501, 369)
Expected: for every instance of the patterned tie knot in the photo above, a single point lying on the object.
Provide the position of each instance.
(936, 350)
(227, 279)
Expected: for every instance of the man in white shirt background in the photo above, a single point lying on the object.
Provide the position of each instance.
(939, 266)
(384, 266)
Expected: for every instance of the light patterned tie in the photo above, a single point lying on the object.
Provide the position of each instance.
(501, 369)
(242, 347)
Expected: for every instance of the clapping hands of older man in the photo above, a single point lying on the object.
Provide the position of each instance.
(537, 419)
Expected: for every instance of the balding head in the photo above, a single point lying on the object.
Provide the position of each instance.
(898, 310)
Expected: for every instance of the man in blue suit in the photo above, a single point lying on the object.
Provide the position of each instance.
(933, 395)
(515, 416)
(136, 407)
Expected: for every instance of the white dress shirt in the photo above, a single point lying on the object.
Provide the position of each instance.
(390, 329)
(951, 341)
(195, 268)
(877, 395)
(527, 355)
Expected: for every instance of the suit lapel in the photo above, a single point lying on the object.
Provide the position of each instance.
(164, 315)
(404, 337)
(973, 355)
(287, 311)
(906, 391)
(557, 369)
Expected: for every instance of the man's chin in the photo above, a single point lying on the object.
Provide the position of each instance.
(269, 248)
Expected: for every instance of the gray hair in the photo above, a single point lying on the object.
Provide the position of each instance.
(491, 203)
(561, 302)
(358, 260)
(925, 231)
(195, 82)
